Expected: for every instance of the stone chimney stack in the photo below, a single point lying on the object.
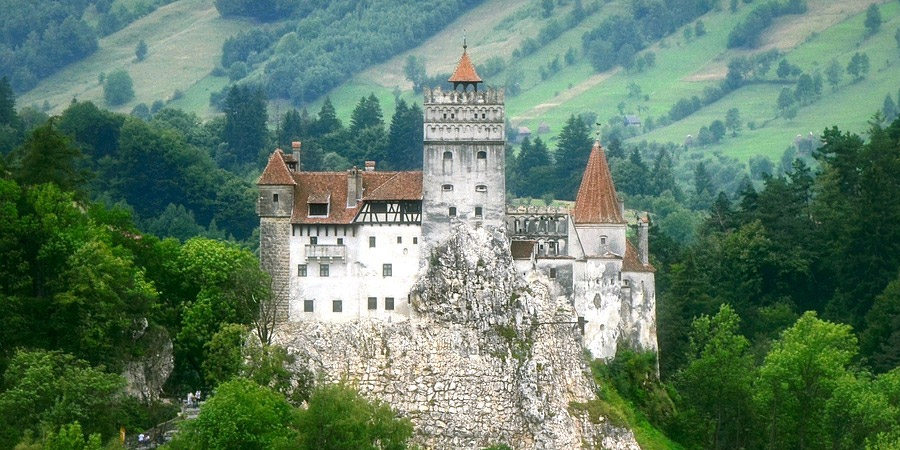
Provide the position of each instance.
(354, 187)
(643, 240)
(621, 206)
(370, 166)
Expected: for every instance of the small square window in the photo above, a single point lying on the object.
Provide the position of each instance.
(337, 306)
(415, 240)
(387, 270)
(275, 198)
(371, 241)
(313, 240)
(452, 116)
(478, 211)
(602, 240)
(389, 303)
(301, 270)
(447, 187)
(483, 115)
(340, 241)
(373, 302)
(452, 211)
(481, 188)
(399, 239)
(308, 305)
(323, 270)
(552, 272)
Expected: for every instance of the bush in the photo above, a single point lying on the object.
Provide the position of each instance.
(118, 88)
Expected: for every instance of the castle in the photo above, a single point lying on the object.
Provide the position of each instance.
(345, 246)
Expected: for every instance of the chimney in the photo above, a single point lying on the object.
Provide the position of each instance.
(621, 206)
(293, 161)
(643, 240)
(354, 187)
(370, 166)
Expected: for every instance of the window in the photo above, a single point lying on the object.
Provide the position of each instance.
(415, 240)
(318, 209)
(340, 241)
(399, 239)
(478, 211)
(387, 270)
(371, 241)
(448, 155)
(373, 302)
(308, 305)
(301, 270)
(275, 198)
(313, 240)
(452, 116)
(445, 115)
(389, 303)
(379, 207)
(481, 155)
(323, 270)
(602, 240)
(626, 283)
(483, 115)
(447, 187)
(481, 188)
(452, 211)
(337, 306)
(552, 272)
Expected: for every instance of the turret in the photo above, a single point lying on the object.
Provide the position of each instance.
(276, 188)
(643, 240)
(598, 214)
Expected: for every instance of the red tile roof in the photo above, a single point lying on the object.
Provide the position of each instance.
(276, 171)
(465, 71)
(632, 260)
(596, 201)
(333, 187)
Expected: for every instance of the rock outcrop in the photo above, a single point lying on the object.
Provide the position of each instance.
(487, 357)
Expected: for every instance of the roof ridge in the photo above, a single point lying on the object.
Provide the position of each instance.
(597, 201)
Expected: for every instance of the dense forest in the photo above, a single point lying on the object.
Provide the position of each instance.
(302, 59)
(37, 38)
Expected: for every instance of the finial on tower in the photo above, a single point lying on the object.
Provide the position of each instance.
(464, 41)
(597, 140)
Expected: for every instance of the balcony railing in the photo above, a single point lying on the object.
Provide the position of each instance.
(326, 252)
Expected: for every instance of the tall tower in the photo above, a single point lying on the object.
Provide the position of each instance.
(463, 174)
(274, 207)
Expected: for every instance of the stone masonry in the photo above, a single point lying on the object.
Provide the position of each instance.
(487, 357)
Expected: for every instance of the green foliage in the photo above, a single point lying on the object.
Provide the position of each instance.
(873, 19)
(224, 359)
(858, 66)
(118, 88)
(38, 40)
(747, 33)
(265, 10)
(49, 156)
(339, 419)
(43, 389)
(405, 137)
(245, 126)
(572, 150)
(242, 415)
(70, 437)
(140, 52)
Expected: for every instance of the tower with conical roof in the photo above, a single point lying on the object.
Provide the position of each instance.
(599, 216)
(464, 155)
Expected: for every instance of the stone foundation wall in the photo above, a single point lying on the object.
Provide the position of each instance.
(486, 357)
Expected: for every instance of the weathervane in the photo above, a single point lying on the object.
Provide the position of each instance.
(598, 130)
(464, 39)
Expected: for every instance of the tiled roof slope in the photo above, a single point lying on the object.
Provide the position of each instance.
(376, 186)
(465, 71)
(596, 201)
(632, 260)
(276, 171)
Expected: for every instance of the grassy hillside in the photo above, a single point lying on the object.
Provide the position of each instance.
(185, 40)
(830, 29)
(185, 43)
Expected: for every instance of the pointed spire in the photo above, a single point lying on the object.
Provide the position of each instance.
(465, 71)
(597, 201)
(276, 171)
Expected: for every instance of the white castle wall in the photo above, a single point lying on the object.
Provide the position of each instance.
(359, 276)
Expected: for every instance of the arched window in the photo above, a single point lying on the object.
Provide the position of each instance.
(481, 155)
(448, 155)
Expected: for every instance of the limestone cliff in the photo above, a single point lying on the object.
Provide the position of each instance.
(486, 357)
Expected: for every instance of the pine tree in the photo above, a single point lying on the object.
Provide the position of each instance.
(571, 157)
(405, 137)
(141, 51)
(49, 156)
(873, 19)
(889, 110)
(327, 121)
(8, 114)
(245, 125)
(367, 114)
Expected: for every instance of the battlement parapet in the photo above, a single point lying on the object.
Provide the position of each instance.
(442, 97)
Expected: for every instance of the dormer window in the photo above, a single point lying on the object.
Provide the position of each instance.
(318, 210)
